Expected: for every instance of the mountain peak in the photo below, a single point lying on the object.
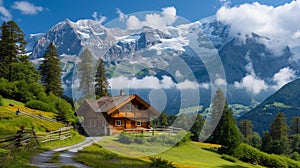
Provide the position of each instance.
(68, 20)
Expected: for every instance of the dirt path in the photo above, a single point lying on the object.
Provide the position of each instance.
(42, 160)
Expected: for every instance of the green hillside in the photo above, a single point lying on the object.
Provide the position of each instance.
(10, 122)
(189, 155)
(286, 100)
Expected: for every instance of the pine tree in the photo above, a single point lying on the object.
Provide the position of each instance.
(226, 132)
(4, 51)
(229, 136)
(246, 128)
(183, 121)
(101, 81)
(295, 125)
(25, 70)
(86, 73)
(218, 104)
(51, 72)
(266, 142)
(279, 128)
(254, 140)
(12, 48)
(197, 127)
(163, 119)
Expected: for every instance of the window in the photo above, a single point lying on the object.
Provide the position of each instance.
(139, 123)
(128, 107)
(118, 123)
(135, 107)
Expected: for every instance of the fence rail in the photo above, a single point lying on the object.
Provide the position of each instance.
(60, 134)
(36, 116)
(152, 131)
(25, 136)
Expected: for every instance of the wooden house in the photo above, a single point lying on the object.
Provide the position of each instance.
(112, 114)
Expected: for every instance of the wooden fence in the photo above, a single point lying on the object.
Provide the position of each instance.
(60, 134)
(22, 138)
(36, 116)
(29, 138)
(168, 130)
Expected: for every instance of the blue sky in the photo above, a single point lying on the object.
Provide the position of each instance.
(34, 16)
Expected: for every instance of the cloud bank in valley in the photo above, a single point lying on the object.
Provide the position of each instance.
(284, 76)
(254, 85)
(152, 82)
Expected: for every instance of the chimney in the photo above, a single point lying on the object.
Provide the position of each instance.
(122, 93)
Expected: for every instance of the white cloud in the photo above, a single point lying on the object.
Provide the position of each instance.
(122, 16)
(99, 18)
(27, 8)
(225, 2)
(154, 20)
(296, 34)
(278, 23)
(178, 74)
(284, 76)
(133, 23)
(95, 15)
(204, 85)
(152, 82)
(252, 84)
(6, 15)
(219, 82)
(187, 85)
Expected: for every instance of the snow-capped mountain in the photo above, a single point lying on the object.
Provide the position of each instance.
(247, 60)
(32, 40)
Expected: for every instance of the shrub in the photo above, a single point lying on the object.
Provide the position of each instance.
(228, 158)
(39, 105)
(7, 89)
(1, 101)
(295, 156)
(161, 163)
(139, 140)
(19, 90)
(22, 93)
(109, 156)
(250, 154)
(124, 138)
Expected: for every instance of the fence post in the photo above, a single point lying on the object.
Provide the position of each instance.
(35, 136)
(59, 132)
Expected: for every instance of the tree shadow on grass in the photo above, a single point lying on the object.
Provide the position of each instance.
(232, 166)
(212, 150)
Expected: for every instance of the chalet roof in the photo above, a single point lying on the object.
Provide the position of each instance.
(93, 104)
(109, 104)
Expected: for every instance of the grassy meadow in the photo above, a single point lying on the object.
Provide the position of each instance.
(191, 154)
(10, 123)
